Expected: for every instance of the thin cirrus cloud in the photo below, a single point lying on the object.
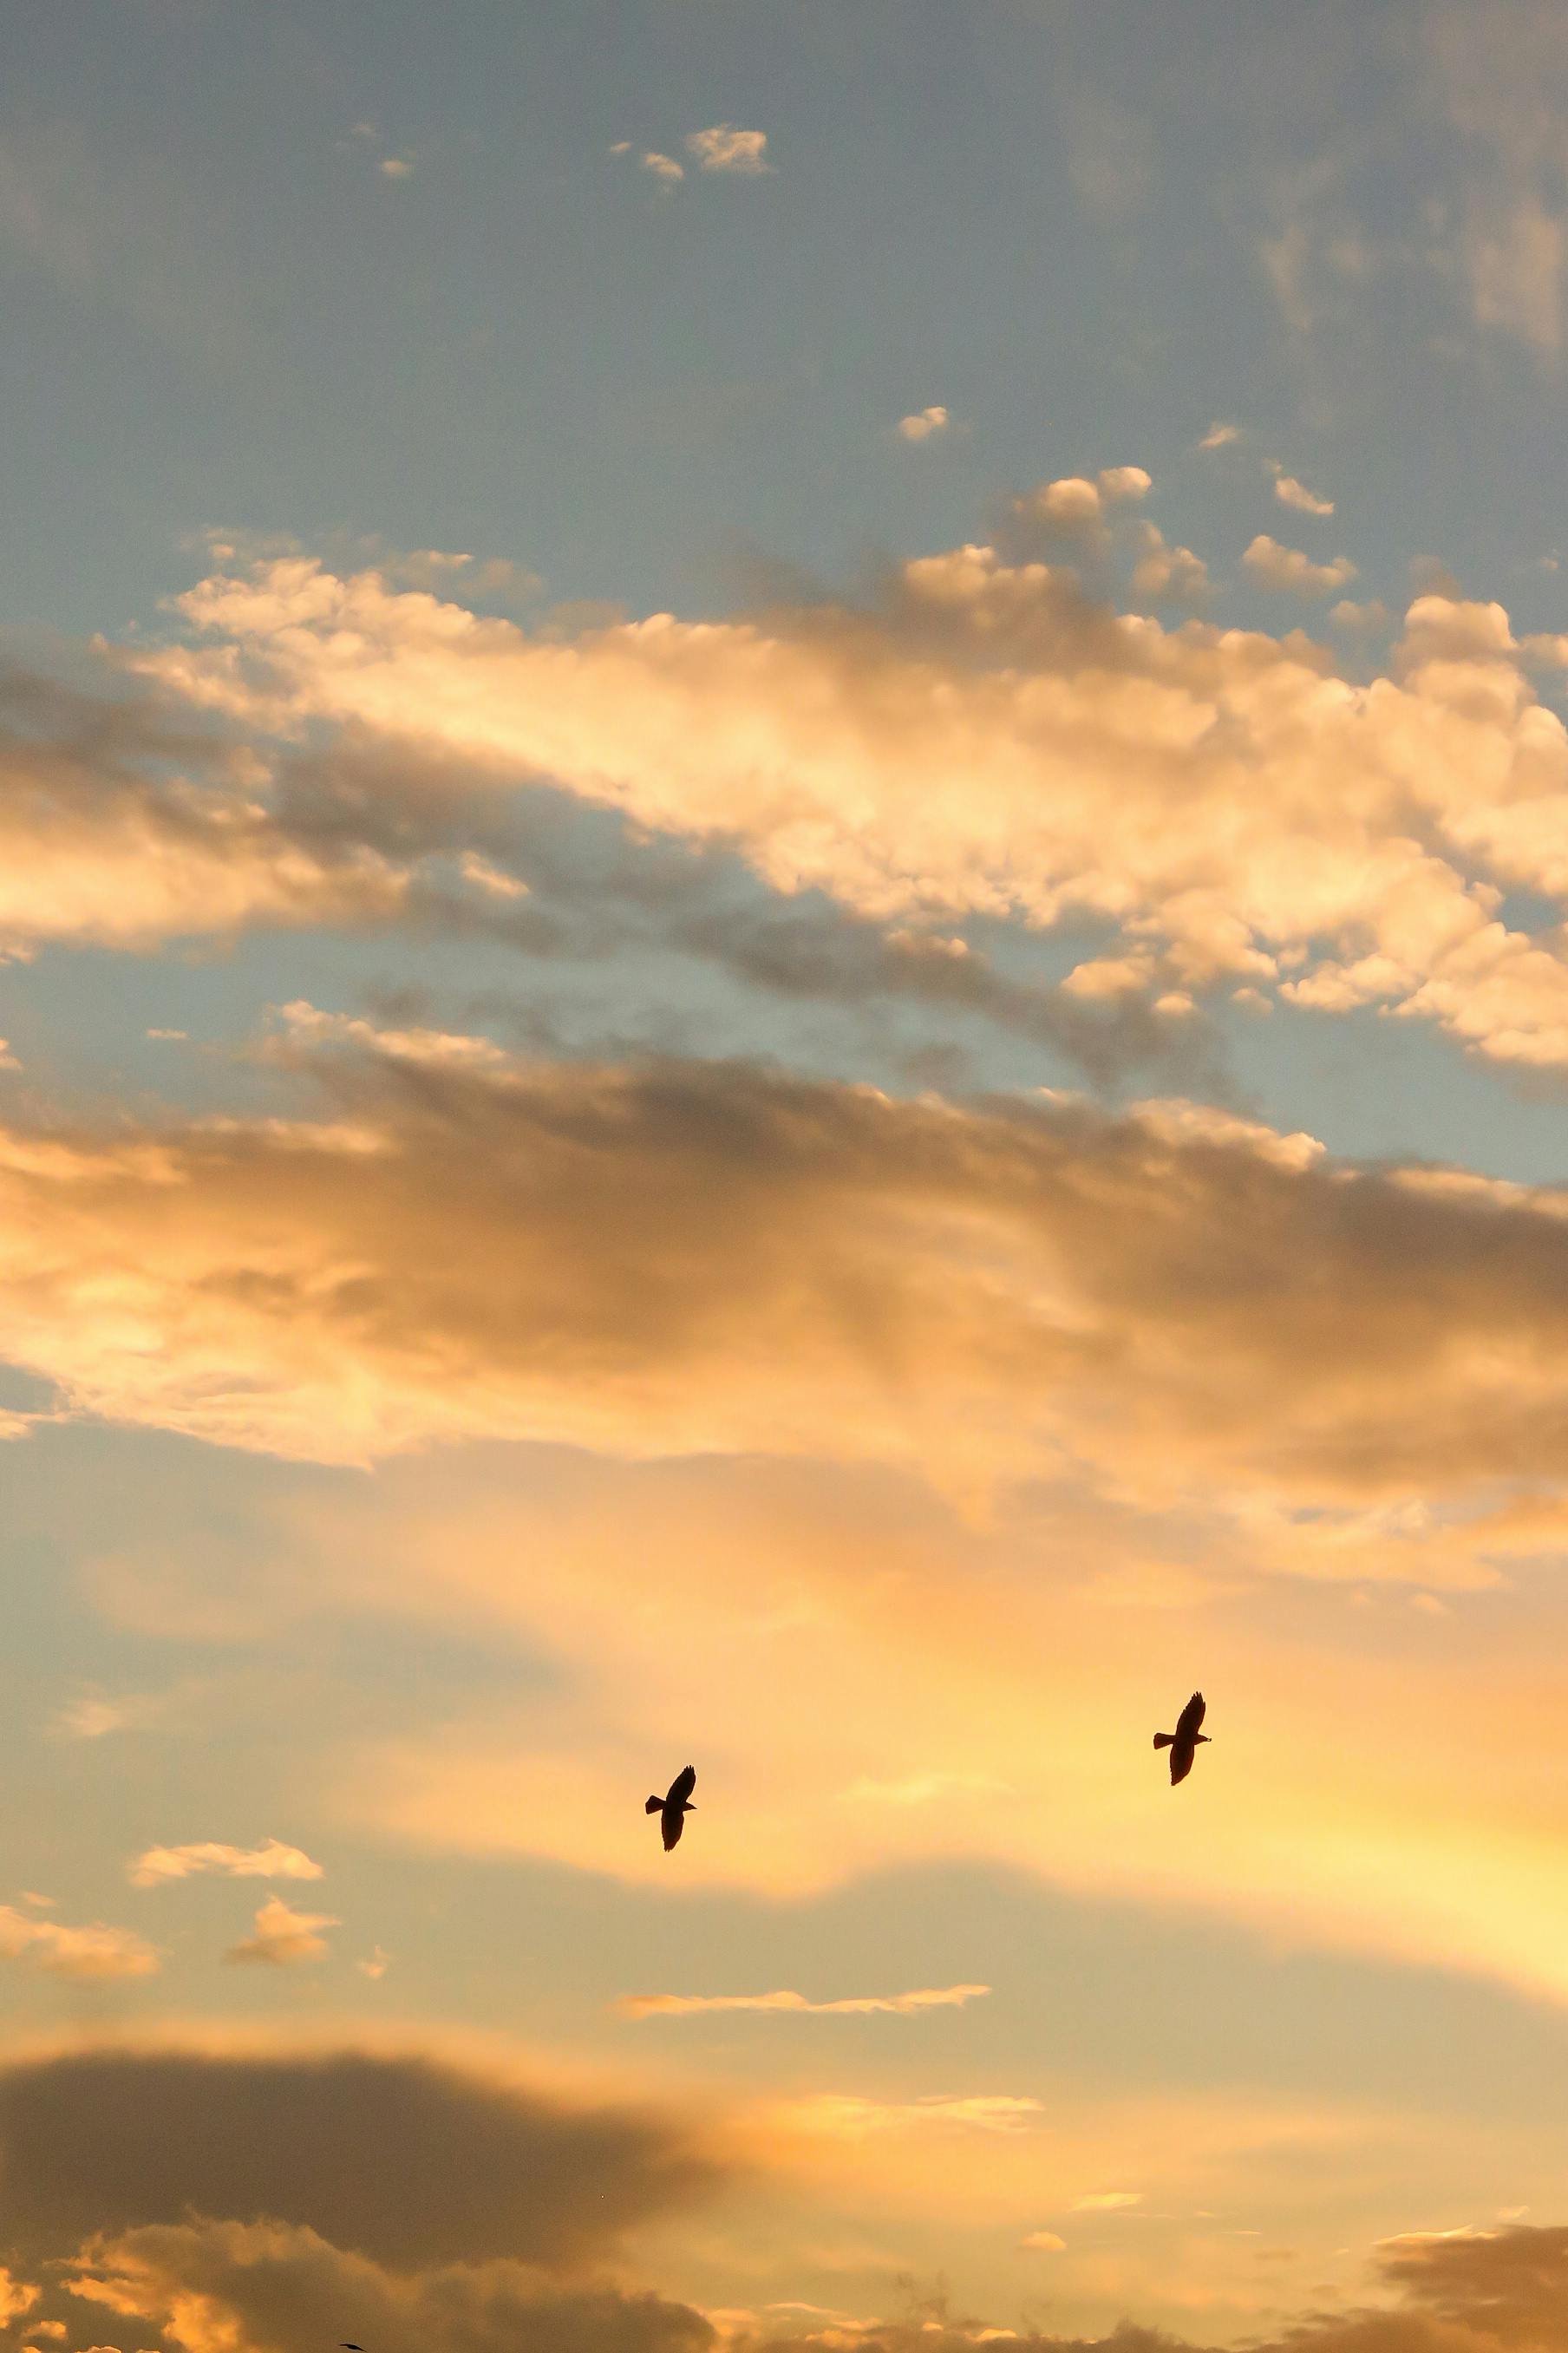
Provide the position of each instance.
(825, 752)
(791, 2004)
(283, 1936)
(92, 1954)
(159, 1865)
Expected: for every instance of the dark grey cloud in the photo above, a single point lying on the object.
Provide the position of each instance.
(408, 2160)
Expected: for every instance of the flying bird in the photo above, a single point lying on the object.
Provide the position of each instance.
(1183, 1742)
(671, 1809)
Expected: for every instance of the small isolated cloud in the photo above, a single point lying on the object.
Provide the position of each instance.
(663, 167)
(168, 1033)
(621, 147)
(1074, 505)
(94, 1717)
(724, 148)
(1044, 2242)
(376, 1966)
(1106, 2201)
(161, 1864)
(396, 167)
(1288, 568)
(1292, 493)
(61, 1952)
(902, 2005)
(284, 1937)
(924, 424)
(1220, 436)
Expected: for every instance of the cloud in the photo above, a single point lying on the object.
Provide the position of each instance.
(1292, 493)
(93, 1953)
(836, 2114)
(1044, 2242)
(122, 826)
(1220, 436)
(425, 1260)
(265, 2286)
(723, 148)
(1289, 568)
(663, 167)
(924, 424)
(395, 167)
(903, 2005)
(375, 1966)
(284, 1937)
(407, 2158)
(827, 749)
(161, 1864)
(1106, 2201)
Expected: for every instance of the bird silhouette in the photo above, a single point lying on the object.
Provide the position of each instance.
(1183, 1742)
(672, 1807)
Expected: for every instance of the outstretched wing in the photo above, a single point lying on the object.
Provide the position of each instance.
(1182, 1755)
(671, 1823)
(1189, 1724)
(682, 1785)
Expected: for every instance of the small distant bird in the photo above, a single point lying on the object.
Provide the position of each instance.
(1183, 1742)
(671, 1809)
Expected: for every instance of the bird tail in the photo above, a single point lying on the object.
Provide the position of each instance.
(1164, 1740)
(654, 1806)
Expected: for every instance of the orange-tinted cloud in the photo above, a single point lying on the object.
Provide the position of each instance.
(988, 742)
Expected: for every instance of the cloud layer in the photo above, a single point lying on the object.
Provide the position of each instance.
(407, 2159)
(1234, 812)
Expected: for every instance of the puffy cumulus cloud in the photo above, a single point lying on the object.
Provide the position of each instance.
(411, 2161)
(725, 148)
(94, 1952)
(284, 1937)
(1174, 1301)
(1288, 568)
(266, 2288)
(924, 424)
(990, 741)
(122, 827)
(160, 1864)
(897, 2005)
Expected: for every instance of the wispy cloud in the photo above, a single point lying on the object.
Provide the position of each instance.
(987, 2112)
(903, 2005)
(95, 1952)
(161, 1864)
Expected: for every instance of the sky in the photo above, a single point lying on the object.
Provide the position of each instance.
(783, 983)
